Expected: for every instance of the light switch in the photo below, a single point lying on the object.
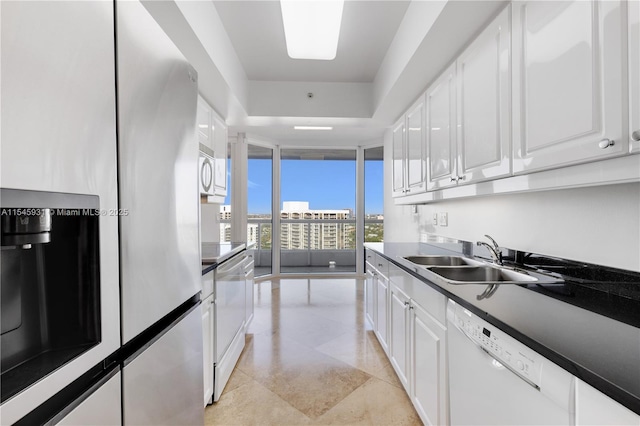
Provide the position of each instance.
(443, 219)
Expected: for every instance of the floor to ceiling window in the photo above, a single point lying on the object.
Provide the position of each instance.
(317, 215)
(373, 194)
(259, 206)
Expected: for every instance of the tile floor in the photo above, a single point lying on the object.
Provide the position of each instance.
(312, 359)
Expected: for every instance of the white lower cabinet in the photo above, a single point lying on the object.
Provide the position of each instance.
(382, 302)
(370, 296)
(428, 367)
(399, 344)
(249, 280)
(595, 408)
(408, 317)
(207, 348)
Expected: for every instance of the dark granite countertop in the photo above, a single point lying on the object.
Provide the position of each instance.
(213, 254)
(587, 321)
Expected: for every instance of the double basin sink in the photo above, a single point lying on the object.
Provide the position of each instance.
(463, 270)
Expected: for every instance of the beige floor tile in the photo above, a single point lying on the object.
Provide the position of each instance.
(311, 357)
(237, 379)
(309, 380)
(359, 349)
(374, 403)
(388, 374)
(252, 404)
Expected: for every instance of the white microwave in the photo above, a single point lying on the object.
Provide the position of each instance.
(205, 171)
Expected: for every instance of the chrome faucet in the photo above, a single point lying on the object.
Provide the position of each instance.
(494, 250)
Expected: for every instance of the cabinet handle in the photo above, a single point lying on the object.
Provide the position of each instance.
(454, 179)
(605, 143)
(636, 136)
(462, 177)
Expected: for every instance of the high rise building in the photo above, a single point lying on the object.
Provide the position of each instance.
(316, 236)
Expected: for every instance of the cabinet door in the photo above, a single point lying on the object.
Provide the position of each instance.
(399, 337)
(484, 104)
(634, 74)
(440, 130)
(397, 158)
(249, 295)
(415, 161)
(567, 90)
(428, 359)
(220, 147)
(207, 348)
(595, 408)
(370, 290)
(382, 299)
(203, 123)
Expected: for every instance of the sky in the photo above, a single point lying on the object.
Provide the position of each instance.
(326, 185)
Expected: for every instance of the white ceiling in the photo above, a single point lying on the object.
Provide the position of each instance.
(257, 35)
(388, 52)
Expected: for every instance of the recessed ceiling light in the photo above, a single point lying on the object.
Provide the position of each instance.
(313, 128)
(312, 28)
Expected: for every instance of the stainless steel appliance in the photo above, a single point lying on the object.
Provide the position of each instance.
(159, 246)
(50, 283)
(58, 137)
(205, 168)
(496, 380)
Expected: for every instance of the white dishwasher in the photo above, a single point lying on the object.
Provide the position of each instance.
(229, 315)
(496, 380)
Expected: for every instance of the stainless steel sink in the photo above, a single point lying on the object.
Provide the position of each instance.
(440, 260)
(481, 275)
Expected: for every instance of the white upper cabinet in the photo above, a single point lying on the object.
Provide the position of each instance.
(220, 150)
(397, 153)
(634, 75)
(203, 123)
(212, 132)
(409, 166)
(484, 104)
(416, 167)
(568, 85)
(440, 130)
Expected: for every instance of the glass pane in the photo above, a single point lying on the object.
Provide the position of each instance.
(373, 195)
(259, 195)
(318, 192)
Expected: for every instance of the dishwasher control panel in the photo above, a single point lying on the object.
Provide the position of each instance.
(504, 349)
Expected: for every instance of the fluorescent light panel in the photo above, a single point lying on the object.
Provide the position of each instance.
(312, 28)
(312, 128)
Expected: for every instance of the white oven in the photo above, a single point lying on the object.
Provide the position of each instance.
(205, 170)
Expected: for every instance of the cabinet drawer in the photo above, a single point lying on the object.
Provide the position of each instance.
(370, 256)
(434, 303)
(382, 265)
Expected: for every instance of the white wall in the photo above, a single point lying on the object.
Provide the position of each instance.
(597, 225)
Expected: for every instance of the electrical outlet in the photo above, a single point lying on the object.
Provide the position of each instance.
(424, 237)
(443, 219)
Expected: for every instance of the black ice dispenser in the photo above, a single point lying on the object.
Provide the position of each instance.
(50, 283)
